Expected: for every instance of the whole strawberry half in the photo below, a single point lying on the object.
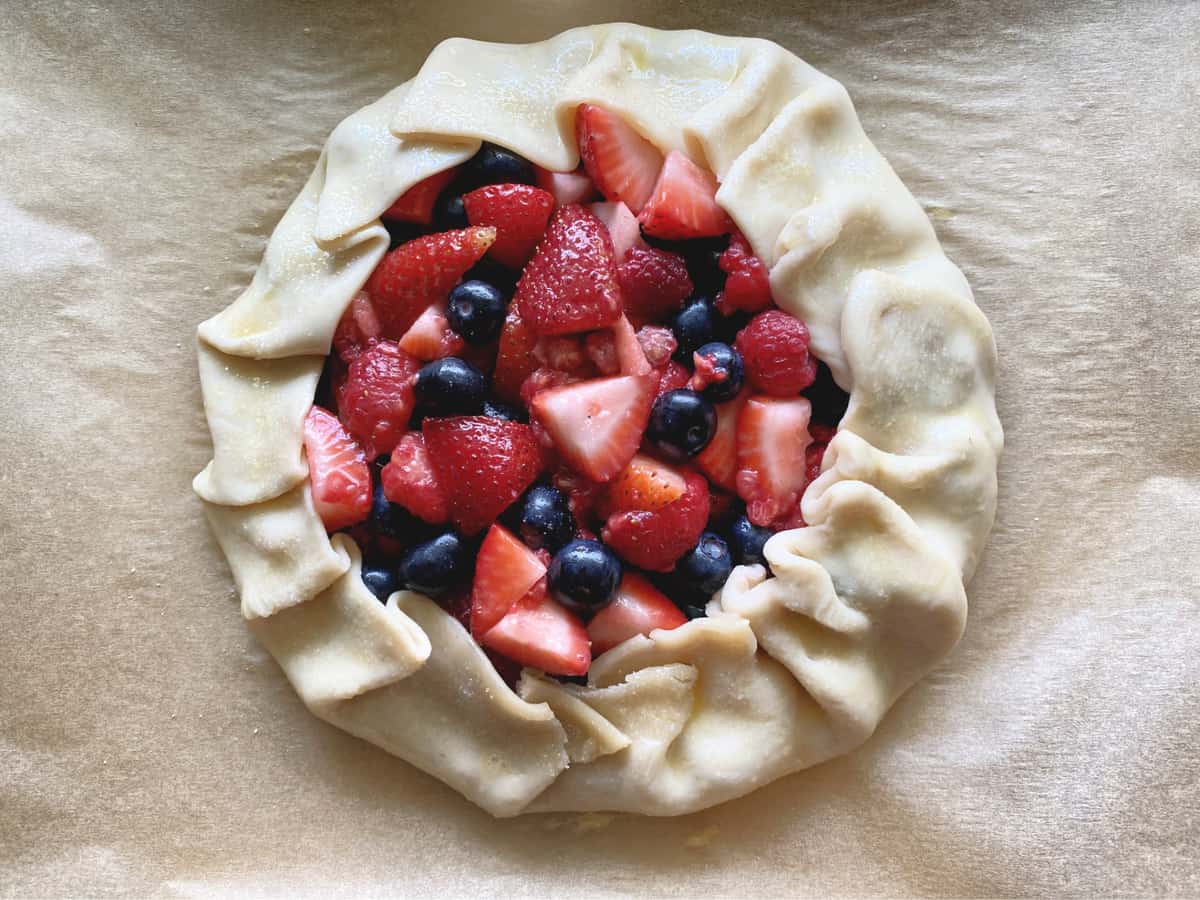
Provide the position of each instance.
(421, 272)
(654, 282)
(518, 212)
(483, 465)
(656, 539)
(338, 470)
(376, 398)
(570, 285)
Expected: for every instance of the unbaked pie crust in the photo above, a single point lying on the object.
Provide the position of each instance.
(786, 671)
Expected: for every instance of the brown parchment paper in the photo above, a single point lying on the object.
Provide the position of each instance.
(149, 747)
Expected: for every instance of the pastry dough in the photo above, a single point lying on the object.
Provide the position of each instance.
(786, 671)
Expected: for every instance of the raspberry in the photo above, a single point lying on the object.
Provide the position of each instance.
(774, 348)
(658, 343)
(748, 286)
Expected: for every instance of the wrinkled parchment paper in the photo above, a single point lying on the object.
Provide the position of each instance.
(149, 747)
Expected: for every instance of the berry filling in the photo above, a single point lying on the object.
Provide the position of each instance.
(565, 404)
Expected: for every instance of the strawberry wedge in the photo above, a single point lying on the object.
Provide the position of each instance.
(622, 163)
(505, 570)
(772, 436)
(337, 467)
(597, 425)
(684, 203)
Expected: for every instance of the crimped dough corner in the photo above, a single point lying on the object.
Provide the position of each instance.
(786, 671)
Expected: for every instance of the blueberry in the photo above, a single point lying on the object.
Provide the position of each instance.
(725, 360)
(401, 232)
(693, 327)
(693, 610)
(432, 566)
(450, 387)
(828, 401)
(498, 409)
(387, 518)
(449, 212)
(681, 424)
(476, 311)
(495, 165)
(546, 519)
(706, 565)
(380, 581)
(746, 541)
(583, 576)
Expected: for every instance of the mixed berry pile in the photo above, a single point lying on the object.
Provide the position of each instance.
(565, 405)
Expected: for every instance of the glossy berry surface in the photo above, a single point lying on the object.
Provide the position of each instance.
(380, 581)
(450, 387)
(546, 519)
(719, 372)
(432, 566)
(388, 519)
(774, 347)
(693, 327)
(706, 566)
(583, 576)
(498, 409)
(681, 424)
(746, 541)
(495, 165)
(476, 311)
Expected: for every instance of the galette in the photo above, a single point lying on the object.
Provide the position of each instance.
(605, 428)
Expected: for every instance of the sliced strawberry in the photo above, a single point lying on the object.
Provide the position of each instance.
(337, 467)
(622, 163)
(518, 212)
(654, 282)
(484, 464)
(421, 272)
(772, 435)
(719, 460)
(539, 633)
(631, 358)
(431, 336)
(655, 540)
(597, 425)
(622, 227)
(672, 376)
(416, 204)
(645, 484)
(638, 607)
(565, 187)
(748, 283)
(410, 480)
(505, 570)
(376, 399)
(570, 285)
(514, 360)
(684, 203)
(358, 328)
